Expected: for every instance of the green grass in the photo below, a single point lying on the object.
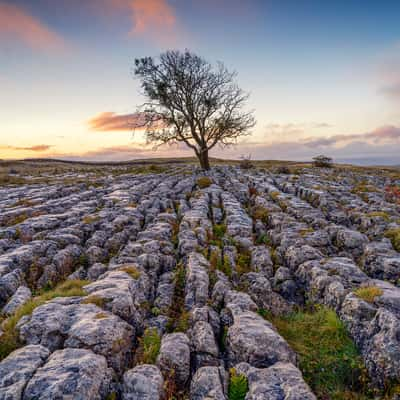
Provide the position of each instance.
(238, 386)
(9, 341)
(149, 346)
(243, 262)
(328, 358)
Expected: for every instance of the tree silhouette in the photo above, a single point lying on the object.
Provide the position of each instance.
(189, 100)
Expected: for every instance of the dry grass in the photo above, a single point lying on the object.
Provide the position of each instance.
(368, 293)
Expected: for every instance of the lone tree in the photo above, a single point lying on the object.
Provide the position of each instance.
(322, 161)
(189, 100)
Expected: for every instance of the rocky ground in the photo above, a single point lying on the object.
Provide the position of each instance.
(176, 285)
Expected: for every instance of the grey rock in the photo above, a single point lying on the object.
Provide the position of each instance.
(70, 373)
(18, 368)
(20, 297)
(174, 358)
(281, 381)
(209, 383)
(144, 382)
(253, 340)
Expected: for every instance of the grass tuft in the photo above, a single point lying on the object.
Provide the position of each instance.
(132, 271)
(238, 385)
(9, 340)
(368, 293)
(329, 359)
(394, 236)
(149, 346)
(204, 182)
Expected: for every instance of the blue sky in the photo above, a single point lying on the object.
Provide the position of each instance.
(324, 76)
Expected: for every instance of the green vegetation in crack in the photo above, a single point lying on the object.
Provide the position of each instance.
(9, 340)
(238, 385)
(328, 358)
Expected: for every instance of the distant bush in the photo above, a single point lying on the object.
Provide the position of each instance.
(283, 169)
(204, 182)
(322, 162)
(245, 162)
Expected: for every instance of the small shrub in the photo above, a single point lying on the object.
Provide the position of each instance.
(283, 169)
(149, 346)
(238, 385)
(322, 162)
(219, 231)
(182, 325)
(204, 182)
(368, 293)
(243, 262)
(261, 213)
(132, 271)
(394, 236)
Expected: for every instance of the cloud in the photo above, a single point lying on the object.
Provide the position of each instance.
(294, 128)
(155, 19)
(17, 24)
(110, 121)
(36, 148)
(126, 152)
(389, 75)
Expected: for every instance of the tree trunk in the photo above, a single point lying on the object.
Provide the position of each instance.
(203, 158)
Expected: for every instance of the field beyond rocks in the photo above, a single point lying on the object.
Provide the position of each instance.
(162, 282)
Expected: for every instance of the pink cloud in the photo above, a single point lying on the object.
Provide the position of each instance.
(110, 121)
(17, 24)
(36, 148)
(155, 19)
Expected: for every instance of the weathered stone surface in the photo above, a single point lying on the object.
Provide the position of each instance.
(17, 369)
(144, 382)
(174, 358)
(253, 340)
(197, 281)
(66, 323)
(281, 381)
(20, 297)
(70, 373)
(209, 383)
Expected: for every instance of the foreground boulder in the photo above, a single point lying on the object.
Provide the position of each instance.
(65, 323)
(282, 381)
(174, 358)
(252, 339)
(209, 383)
(144, 382)
(18, 368)
(77, 374)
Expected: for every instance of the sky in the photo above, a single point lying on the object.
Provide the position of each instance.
(323, 76)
